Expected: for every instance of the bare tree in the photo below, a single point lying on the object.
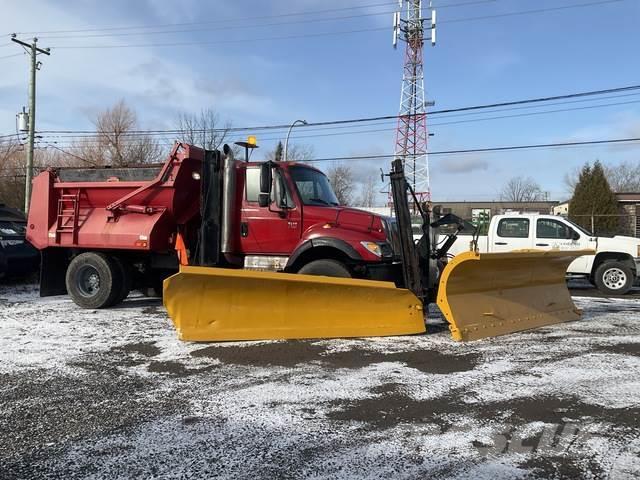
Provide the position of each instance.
(367, 196)
(12, 173)
(571, 179)
(522, 189)
(116, 142)
(341, 178)
(298, 152)
(204, 129)
(623, 177)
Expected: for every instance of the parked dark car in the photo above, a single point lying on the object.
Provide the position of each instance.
(17, 256)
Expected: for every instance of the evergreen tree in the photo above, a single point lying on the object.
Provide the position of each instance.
(594, 205)
(278, 153)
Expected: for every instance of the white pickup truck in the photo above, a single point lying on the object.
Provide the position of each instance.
(613, 269)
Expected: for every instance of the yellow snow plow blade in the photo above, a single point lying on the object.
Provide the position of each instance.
(483, 295)
(212, 304)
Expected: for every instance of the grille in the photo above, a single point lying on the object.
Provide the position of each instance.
(393, 235)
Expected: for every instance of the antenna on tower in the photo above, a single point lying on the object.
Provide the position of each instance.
(411, 132)
(433, 27)
(396, 28)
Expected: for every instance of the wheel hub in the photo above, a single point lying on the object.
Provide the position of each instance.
(89, 281)
(614, 278)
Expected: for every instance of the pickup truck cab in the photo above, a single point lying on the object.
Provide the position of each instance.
(613, 269)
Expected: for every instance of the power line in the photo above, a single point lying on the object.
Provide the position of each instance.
(224, 26)
(531, 12)
(491, 149)
(13, 55)
(94, 136)
(220, 23)
(528, 101)
(322, 34)
(71, 154)
(480, 149)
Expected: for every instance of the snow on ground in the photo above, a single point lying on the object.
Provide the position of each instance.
(113, 393)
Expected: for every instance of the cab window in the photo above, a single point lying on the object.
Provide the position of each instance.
(252, 184)
(280, 190)
(513, 228)
(548, 228)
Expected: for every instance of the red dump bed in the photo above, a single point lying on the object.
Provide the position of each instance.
(116, 208)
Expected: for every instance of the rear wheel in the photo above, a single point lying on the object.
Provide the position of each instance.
(326, 268)
(93, 280)
(614, 278)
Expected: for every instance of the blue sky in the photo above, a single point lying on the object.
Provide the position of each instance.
(251, 80)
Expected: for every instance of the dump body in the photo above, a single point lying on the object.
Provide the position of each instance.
(134, 209)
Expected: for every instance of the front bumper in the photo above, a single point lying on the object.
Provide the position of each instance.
(637, 262)
(19, 260)
(385, 272)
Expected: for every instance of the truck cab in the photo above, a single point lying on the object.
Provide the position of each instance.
(301, 227)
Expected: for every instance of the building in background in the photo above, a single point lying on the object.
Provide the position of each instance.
(630, 213)
(473, 210)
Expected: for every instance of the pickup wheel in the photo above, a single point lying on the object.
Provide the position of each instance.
(93, 280)
(326, 268)
(614, 278)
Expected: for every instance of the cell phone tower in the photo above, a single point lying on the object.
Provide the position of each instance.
(411, 132)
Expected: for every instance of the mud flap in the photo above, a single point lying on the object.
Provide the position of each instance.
(212, 304)
(483, 295)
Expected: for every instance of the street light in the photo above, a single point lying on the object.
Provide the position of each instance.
(286, 142)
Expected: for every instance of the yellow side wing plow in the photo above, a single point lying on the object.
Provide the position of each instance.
(483, 295)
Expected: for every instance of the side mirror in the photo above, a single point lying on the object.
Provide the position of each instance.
(266, 180)
(575, 235)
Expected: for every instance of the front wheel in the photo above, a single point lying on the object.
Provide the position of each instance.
(614, 278)
(326, 268)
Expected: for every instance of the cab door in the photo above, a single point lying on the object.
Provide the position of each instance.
(268, 230)
(556, 234)
(512, 233)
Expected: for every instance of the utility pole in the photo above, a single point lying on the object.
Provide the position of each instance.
(33, 50)
(411, 131)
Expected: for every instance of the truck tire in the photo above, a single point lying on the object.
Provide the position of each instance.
(127, 280)
(326, 268)
(614, 278)
(93, 280)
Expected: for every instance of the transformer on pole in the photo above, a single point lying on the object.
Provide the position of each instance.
(411, 132)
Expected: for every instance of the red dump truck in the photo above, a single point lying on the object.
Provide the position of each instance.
(104, 231)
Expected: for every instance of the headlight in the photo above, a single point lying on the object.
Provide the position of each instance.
(373, 247)
(638, 252)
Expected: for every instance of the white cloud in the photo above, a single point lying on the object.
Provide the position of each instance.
(157, 82)
(460, 165)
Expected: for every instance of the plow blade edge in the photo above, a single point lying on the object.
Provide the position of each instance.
(483, 295)
(213, 304)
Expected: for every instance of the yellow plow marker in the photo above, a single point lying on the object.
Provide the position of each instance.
(213, 304)
(483, 295)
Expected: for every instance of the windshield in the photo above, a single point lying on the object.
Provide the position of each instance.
(583, 230)
(314, 187)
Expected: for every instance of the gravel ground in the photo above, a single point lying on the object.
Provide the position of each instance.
(105, 394)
